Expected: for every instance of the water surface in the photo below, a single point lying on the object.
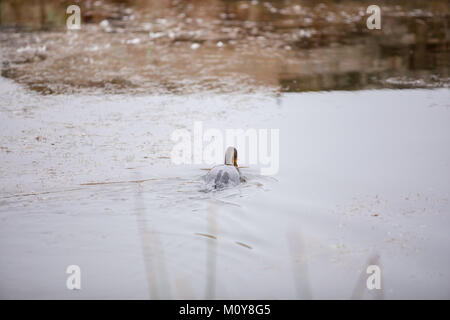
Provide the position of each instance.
(225, 46)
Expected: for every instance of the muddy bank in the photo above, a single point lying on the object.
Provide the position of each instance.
(224, 46)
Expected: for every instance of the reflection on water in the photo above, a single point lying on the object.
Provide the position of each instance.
(222, 45)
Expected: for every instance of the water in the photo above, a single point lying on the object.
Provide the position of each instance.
(86, 180)
(225, 46)
(86, 176)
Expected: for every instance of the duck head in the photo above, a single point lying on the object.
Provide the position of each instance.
(231, 156)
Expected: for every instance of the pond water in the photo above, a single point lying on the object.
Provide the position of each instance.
(87, 180)
(85, 149)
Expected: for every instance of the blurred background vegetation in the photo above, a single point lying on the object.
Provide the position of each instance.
(187, 46)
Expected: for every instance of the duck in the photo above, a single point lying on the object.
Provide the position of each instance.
(225, 175)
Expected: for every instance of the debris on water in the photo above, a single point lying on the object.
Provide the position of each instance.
(206, 235)
(243, 245)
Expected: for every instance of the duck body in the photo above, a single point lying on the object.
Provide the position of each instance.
(223, 176)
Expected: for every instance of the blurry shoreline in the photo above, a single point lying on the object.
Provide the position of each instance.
(224, 46)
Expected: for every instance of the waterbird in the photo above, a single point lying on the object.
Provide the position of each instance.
(225, 175)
